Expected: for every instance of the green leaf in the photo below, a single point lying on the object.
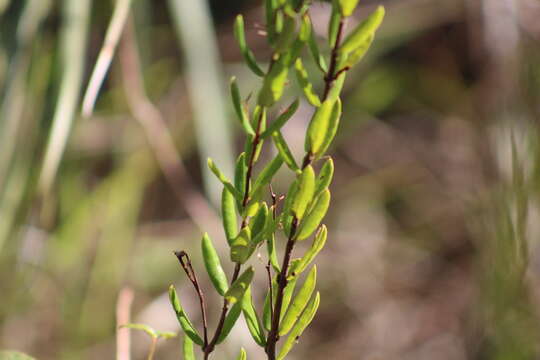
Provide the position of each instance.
(303, 322)
(240, 36)
(166, 334)
(284, 151)
(239, 108)
(335, 90)
(333, 25)
(213, 265)
(274, 82)
(242, 355)
(281, 119)
(352, 58)
(287, 35)
(239, 287)
(331, 130)
(241, 246)
(184, 321)
(221, 177)
(270, 13)
(252, 319)
(187, 349)
(287, 296)
(267, 174)
(258, 223)
(360, 35)
(315, 52)
(272, 256)
(315, 216)
(286, 214)
(346, 7)
(14, 355)
(267, 314)
(147, 329)
(228, 213)
(305, 84)
(299, 303)
(318, 127)
(230, 320)
(304, 195)
(325, 176)
(316, 247)
(240, 173)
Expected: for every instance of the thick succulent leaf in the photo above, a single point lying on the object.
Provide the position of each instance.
(239, 287)
(315, 216)
(316, 247)
(299, 303)
(230, 320)
(241, 246)
(213, 265)
(284, 151)
(303, 322)
(239, 108)
(274, 82)
(267, 173)
(305, 84)
(184, 321)
(240, 36)
(346, 7)
(228, 214)
(252, 319)
(325, 176)
(333, 25)
(331, 130)
(304, 194)
(318, 127)
(358, 37)
(221, 177)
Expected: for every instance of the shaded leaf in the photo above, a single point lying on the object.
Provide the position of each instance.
(213, 265)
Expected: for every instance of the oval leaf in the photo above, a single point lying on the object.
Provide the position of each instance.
(303, 322)
(315, 216)
(213, 265)
(239, 287)
(228, 213)
(304, 195)
(316, 247)
(363, 31)
(230, 320)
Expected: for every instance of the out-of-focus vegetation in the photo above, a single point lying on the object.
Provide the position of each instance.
(432, 253)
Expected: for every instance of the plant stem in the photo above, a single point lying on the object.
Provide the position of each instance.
(210, 347)
(273, 335)
(188, 268)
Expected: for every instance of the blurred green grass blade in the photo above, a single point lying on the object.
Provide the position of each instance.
(103, 62)
(193, 24)
(16, 87)
(73, 41)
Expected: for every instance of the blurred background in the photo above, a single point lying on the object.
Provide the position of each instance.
(433, 228)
